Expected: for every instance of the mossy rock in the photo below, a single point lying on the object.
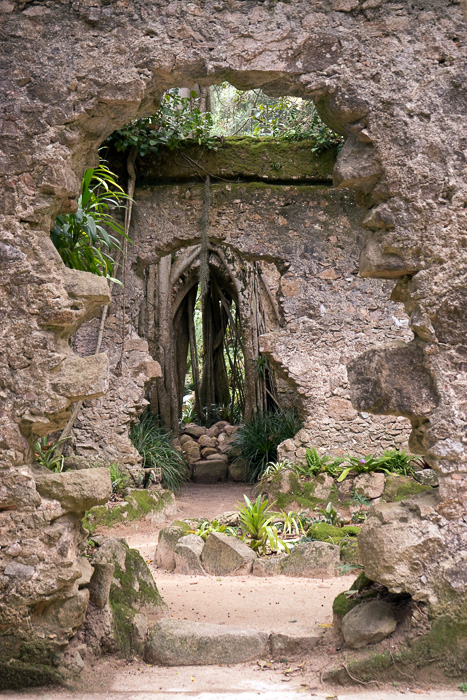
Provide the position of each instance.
(138, 504)
(350, 553)
(399, 487)
(361, 582)
(133, 591)
(325, 532)
(301, 493)
(16, 674)
(442, 652)
(351, 530)
(265, 158)
(343, 604)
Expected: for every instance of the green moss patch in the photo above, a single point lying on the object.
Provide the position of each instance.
(399, 487)
(133, 590)
(342, 605)
(442, 652)
(138, 504)
(18, 674)
(266, 157)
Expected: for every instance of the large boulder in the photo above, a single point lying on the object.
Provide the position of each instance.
(224, 555)
(401, 545)
(187, 553)
(194, 430)
(186, 643)
(312, 560)
(238, 470)
(368, 623)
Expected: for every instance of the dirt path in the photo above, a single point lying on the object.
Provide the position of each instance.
(279, 603)
(290, 605)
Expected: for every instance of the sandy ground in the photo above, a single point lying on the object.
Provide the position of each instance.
(299, 606)
(290, 605)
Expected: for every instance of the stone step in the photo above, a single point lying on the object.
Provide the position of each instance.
(188, 643)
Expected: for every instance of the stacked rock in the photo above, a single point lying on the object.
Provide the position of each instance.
(210, 452)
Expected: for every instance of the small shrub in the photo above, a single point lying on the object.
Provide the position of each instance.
(259, 438)
(155, 446)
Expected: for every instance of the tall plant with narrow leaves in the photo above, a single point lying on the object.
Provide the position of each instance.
(83, 239)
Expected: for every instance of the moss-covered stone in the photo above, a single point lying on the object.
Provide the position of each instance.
(343, 604)
(18, 674)
(325, 532)
(294, 491)
(440, 652)
(132, 591)
(138, 504)
(262, 158)
(400, 487)
(361, 582)
(350, 553)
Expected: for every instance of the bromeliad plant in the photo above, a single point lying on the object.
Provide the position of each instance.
(259, 532)
(46, 454)
(82, 238)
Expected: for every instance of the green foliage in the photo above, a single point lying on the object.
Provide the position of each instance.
(316, 464)
(46, 454)
(290, 524)
(259, 438)
(392, 461)
(399, 462)
(207, 527)
(155, 446)
(252, 112)
(273, 468)
(463, 687)
(176, 120)
(260, 534)
(116, 477)
(331, 516)
(82, 238)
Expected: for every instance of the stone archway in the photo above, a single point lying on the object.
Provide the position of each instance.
(390, 78)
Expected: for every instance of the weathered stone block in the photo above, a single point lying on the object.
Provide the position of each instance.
(186, 643)
(311, 560)
(77, 491)
(209, 471)
(188, 552)
(370, 485)
(224, 555)
(166, 545)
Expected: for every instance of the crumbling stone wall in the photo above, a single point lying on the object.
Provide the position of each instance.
(307, 237)
(391, 76)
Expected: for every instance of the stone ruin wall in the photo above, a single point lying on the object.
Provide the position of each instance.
(306, 235)
(391, 77)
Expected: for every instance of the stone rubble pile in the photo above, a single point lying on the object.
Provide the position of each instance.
(225, 555)
(210, 452)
